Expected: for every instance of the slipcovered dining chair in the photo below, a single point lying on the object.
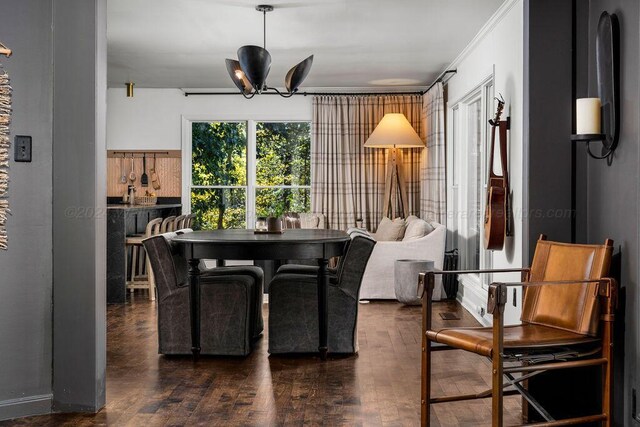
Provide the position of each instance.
(228, 306)
(567, 322)
(293, 306)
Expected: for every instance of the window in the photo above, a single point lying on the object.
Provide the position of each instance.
(467, 180)
(242, 170)
(283, 168)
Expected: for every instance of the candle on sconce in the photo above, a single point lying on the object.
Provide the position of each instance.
(588, 116)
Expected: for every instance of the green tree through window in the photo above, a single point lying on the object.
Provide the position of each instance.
(220, 187)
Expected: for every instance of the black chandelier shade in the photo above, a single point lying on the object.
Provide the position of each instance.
(297, 74)
(238, 76)
(255, 62)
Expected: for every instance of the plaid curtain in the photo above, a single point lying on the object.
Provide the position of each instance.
(433, 195)
(348, 179)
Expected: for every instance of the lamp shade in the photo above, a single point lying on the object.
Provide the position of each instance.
(394, 131)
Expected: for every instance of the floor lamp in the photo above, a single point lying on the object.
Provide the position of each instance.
(395, 132)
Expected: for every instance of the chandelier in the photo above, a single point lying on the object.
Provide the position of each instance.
(249, 73)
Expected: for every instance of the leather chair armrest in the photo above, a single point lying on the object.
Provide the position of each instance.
(423, 276)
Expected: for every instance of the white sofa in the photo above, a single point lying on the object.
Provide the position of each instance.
(378, 280)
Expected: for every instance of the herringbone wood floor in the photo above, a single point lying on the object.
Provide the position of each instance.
(379, 387)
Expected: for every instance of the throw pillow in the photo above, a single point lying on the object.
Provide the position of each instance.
(417, 229)
(390, 230)
(411, 218)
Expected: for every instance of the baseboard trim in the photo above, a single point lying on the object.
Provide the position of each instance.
(25, 406)
(471, 298)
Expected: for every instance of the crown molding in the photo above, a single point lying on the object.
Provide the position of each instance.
(495, 19)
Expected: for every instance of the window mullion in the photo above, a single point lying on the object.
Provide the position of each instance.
(251, 174)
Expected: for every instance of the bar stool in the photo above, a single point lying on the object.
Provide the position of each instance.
(146, 282)
(188, 223)
(168, 224)
(180, 222)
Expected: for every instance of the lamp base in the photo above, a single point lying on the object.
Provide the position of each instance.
(394, 187)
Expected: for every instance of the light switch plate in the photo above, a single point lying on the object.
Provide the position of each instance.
(22, 144)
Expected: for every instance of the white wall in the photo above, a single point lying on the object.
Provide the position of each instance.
(152, 119)
(498, 50)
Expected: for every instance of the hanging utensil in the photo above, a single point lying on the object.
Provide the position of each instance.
(155, 179)
(144, 179)
(123, 177)
(132, 173)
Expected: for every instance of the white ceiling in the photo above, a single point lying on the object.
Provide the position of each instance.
(356, 43)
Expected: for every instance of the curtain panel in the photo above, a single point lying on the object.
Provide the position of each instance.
(348, 179)
(433, 197)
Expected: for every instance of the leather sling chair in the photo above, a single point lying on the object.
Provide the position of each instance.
(566, 297)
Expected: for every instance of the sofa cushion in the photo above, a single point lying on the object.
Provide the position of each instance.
(390, 230)
(416, 229)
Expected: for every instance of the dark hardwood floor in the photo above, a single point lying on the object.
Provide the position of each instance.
(378, 387)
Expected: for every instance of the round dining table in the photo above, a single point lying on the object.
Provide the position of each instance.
(237, 244)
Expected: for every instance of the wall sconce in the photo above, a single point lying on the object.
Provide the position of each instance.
(130, 86)
(598, 119)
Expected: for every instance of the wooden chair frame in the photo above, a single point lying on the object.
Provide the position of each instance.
(497, 299)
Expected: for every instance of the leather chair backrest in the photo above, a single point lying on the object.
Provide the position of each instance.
(170, 268)
(353, 265)
(573, 307)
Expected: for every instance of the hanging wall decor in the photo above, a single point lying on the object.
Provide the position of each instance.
(5, 143)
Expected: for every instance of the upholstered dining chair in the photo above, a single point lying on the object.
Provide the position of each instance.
(293, 306)
(567, 319)
(227, 306)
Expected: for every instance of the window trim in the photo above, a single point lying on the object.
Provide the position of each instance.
(250, 190)
(457, 133)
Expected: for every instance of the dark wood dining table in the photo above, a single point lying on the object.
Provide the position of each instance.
(221, 245)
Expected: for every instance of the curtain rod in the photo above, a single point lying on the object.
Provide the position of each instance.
(311, 93)
(440, 78)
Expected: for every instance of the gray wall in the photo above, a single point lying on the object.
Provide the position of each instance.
(79, 211)
(26, 268)
(547, 114)
(611, 193)
(607, 196)
(52, 278)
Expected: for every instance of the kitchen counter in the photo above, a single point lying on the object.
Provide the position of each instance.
(124, 220)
